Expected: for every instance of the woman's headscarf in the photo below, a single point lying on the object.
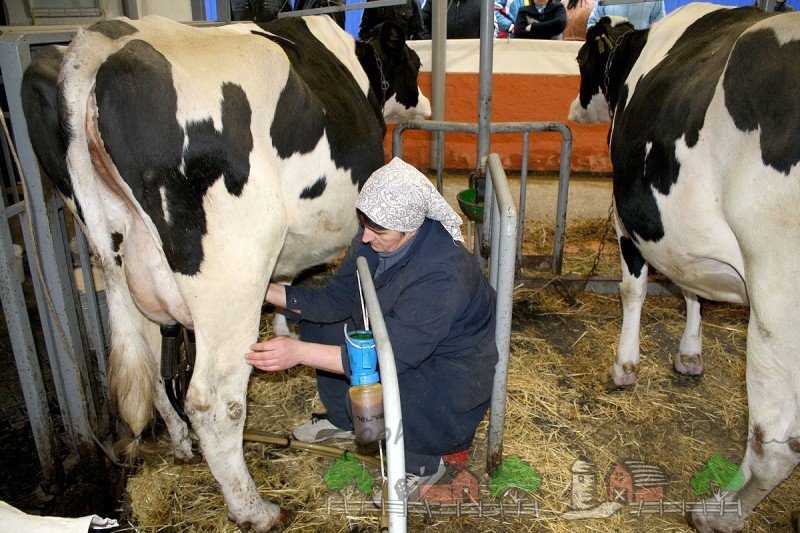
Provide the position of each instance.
(397, 196)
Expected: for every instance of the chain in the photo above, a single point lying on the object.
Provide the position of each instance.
(561, 288)
(384, 83)
(607, 72)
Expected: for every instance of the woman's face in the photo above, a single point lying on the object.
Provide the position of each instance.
(385, 242)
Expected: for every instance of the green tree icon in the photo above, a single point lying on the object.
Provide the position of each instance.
(719, 474)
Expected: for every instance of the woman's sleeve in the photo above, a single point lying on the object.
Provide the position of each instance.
(331, 303)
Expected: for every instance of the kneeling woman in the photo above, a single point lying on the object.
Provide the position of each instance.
(438, 309)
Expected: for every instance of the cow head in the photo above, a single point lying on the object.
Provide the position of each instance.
(591, 105)
(392, 68)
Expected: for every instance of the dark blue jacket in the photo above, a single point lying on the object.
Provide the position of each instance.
(438, 308)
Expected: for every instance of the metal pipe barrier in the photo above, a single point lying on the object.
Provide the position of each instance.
(526, 128)
(501, 277)
(393, 416)
(59, 314)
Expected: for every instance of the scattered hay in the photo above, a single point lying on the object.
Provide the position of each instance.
(557, 412)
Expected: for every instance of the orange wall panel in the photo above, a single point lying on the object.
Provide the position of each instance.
(515, 98)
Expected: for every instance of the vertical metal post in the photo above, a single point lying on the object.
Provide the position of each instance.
(94, 322)
(27, 362)
(563, 196)
(438, 74)
(198, 10)
(504, 248)
(64, 345)
(523, 193)
(395, 444)
(130, 9)
(223, 10)
(485, 81)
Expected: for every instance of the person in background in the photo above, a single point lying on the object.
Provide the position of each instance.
(439, 313)
(258, 10)
(407, 16)
(313, 4)
(642, 14)
(463, 19)
(781, 6)
(578, 12)
(543, 19)
(503, 19)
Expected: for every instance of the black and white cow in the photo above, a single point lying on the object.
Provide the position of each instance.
(705, 146)
(202, 162)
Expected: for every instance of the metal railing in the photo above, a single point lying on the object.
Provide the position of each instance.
(525, 128)
(393, 416)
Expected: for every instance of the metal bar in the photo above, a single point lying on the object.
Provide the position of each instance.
(523, 192)
(440, 162)
(339, 8)
(438, 76)
(64, 358)
(485, 80)
(505, 248)
(15, 209)
(12, 176)
(94, 322)
(130, 9)
(563, 195)
(198, 10)
(223, 10)
(599, 285)
(494, 231)
(27, 362)
(395, 447)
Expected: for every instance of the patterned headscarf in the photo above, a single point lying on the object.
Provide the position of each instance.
(397, 196)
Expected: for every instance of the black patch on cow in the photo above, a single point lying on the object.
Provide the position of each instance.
(322, 95)
(299, 119)
(116, 241)
(137, 106)
(669, 102)
(633, 258)
(113, 29)
(118, 260)
(757, 67)
(316, 190)
(40, 103)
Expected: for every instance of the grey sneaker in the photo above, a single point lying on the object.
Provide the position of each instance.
(416, 485)
(319, 429)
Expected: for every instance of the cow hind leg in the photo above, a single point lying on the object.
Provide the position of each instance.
(689, 360)
(773, 445)
(216, 398)
(632, 289)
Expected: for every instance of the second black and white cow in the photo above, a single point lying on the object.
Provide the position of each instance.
(201, 163)
(705, 147)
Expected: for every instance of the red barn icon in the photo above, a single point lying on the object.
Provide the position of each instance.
(635, 481)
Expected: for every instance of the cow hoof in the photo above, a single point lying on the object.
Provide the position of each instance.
(195, 458)
(714, 523)
(283, 520)
(622, 375)
(689, 365)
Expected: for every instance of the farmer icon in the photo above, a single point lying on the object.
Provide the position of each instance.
(584, 488)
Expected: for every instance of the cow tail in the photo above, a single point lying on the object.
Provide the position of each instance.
(132, 365)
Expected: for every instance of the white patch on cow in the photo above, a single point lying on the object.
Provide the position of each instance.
(616, 20)
(661, 38)
(164, 205)
(596, 113)
(394, 112)
(341, 44)
(786, 27)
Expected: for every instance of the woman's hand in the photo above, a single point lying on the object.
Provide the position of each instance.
(275, 354)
